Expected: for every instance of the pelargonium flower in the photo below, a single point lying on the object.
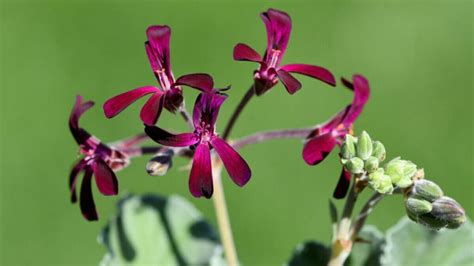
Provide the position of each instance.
(170, 94)
(278, 25)
(325, 137)
(99, 161)
(202, 140)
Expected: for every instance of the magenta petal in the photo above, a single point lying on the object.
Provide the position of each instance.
(317, 148)
(105, 178)
(313, 71)
(73, 178)
(236, 166)
(200, 81)
(200, 179)
(292, 85)
(158, 46)
(115, 105)
(152, 109)
(86, 200)
(77, 111)
(174, 140)
(207, 106)
(243, 52)
(278, 25)
(361, 96)
(342, 185)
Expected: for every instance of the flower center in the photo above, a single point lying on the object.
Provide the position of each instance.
(205, 132)
(163, 79)
(274, 56)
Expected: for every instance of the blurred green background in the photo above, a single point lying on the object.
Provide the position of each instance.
(417, 56)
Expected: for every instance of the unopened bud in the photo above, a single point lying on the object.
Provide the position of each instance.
(450, 211)
(378, 150)
(372, 164)
(418, 206)
(364, 146)
(431, 221)
(355, 165)
(160, 164)
(380, 182)
(348, 149)
(401, 172)
(427, 190)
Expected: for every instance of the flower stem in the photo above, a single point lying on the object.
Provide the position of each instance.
(130, 141)
(184, 113)
(243, 102)
(222, 216)
(269, 135)
(364, 213)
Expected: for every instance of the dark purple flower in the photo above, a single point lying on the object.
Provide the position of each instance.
(278, 25)
(170, 95)
(325, 137)
(99, 161)
(202, 140)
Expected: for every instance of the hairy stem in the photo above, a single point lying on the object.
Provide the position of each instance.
(269, 135)
(243, 102)
(130, 141)
(187, 118)
(222, 215)
(364, 213)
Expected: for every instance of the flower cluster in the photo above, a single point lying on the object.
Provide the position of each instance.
(203, 143)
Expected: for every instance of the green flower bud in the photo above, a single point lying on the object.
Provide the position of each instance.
(348, 149)
(380, 182)
(364, 146)
(371, 165)
(160, 164)
(378, 150)
(401, 172)
(427, 190)
(431, 222)
(418, 206)
(448, 210)
(355, 165)
(412, 216)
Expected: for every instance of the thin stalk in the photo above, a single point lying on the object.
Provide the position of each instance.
(364, 213)
(243, 102)
(130, 141)
(222, 215)
(187, 118)
(269, 135)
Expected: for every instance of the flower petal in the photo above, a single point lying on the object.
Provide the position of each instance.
(313, 71)
(361, 96)
(200, 81)
(200, 179)
(158, 47)
(77, 111)
(115, 105)
(235, 165)
(342, 185)
(207, 106)
(292, 85)
(105, 178)
(317, 148)
(166, 138)
(243, 52)
(278, 25)
(76, 170)
(151, 111)
(86, 200)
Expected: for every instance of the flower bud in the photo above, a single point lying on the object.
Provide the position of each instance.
(380, 182)
(418, 206)
(427, 190)
(160, 164)
(355, 165)
(401, 172)
(448, 210)
(348, 149)
(378, 150)
(431, 221)
(372, 164)
(364, 146)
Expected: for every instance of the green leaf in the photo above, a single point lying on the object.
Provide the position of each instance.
(368, 249)
(154, 230)
(310, 253)
(408, 243)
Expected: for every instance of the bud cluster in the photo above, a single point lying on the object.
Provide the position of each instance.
(427, 205)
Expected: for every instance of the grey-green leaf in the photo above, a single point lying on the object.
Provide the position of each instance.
(408, 243)
(154, 230)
